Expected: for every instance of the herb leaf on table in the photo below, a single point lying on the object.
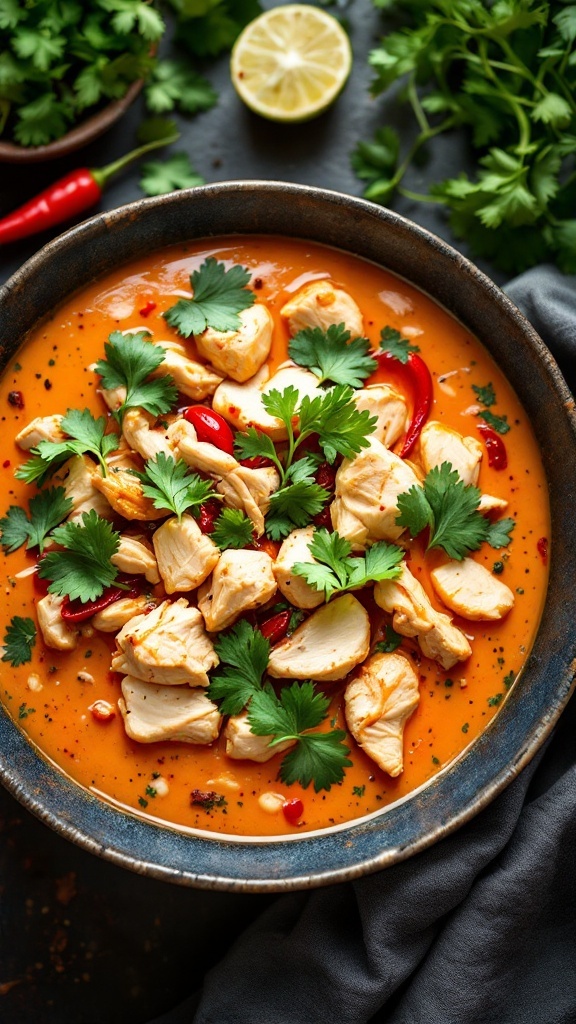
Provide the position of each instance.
(159, 177)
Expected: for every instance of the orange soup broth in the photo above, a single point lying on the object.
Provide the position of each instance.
(50, 696)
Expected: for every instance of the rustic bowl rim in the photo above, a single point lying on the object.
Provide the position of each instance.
(463, 789)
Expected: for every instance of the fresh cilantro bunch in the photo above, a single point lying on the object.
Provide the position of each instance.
(449, 509)
(86, 434)
(335, 570)
(319, 757)
(341, 429)
(61, 61)
(332, 356)
(218, 296)
(506, 72)
(206, 29)
(131, 359)
(172, 486)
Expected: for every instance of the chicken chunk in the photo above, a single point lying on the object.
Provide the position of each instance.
(123, 489)
(242, 580)
(327, 646)
(167, 646)
(152, 713)
(42, 428)
(117, 614)
(365, 506)
(193, 379)
(135, 557)
(241, 404)
(320, 304)
(439, 444)
(78, 476)
(243, 745)
(414, 615)
(471, 590)
(378, 703)
(390, 409)
(295, 588)
(55, 632)
(185, 556)
(239, 354)
(137, 428)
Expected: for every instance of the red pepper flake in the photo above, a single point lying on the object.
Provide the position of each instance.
(148, 308)
(209, 512)
(293, 811)
(323, 520)
(102, 711)
(6, 463)
(276, 628)
(495, 447)
(16, 399)
(542, 547)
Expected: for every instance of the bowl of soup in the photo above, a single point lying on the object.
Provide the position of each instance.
(284, 529)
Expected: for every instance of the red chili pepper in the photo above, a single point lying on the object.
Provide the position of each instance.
(148, 308)
(542, 548)
(209, 512)
(67, 197)
(210, 427)
(293, 811)
(276, 628)
(74, 612)
(495, 447)
(418, 377)
(258, 462)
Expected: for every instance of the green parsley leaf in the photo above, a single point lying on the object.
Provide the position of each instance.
(332, 356)
(449, 507)
(47, 510)
(498, 423)
(174, 85)
(161, 176)
(232, 529)
(86, 434)
(243, 652)
(19, 639)
(218, 295)
(318, 757)
(83, 570)
(392, 341)
(130, 362)
(170, 485)
(335, 570)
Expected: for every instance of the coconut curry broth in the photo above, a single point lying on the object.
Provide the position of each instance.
(50, 696)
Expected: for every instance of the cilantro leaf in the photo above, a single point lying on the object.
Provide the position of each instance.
(318, 757)
(342, 429)
(498, 535)
(19, 639)
(254, 443)
(161, 176)
(218, 295)
(244, 653)
(498, 423)
(83, 569)
(170, 485)
(381, 562)
(335, 570)
(294, 506)
(449, 507)
(392, 341)
(232, 529)
(391, 641)
(485, 394)
(174, 85)
(47, 510)
(332, 356)
(86, 434)
(130, 362)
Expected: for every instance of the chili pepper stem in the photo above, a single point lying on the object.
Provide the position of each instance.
(102, 175)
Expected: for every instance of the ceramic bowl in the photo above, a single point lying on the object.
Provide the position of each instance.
(526, 719)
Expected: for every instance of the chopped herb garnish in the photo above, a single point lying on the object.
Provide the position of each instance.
(232, 529)
(485, 394)
(218, 296)
(392, 341)
(498, 423)
(19, 640)
(391, 642)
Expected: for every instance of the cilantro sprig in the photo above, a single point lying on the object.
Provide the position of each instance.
(83, 569)
(449, 509)
(218, 296)
(391, 341)
(172, 486)
(46, 510)
(130, 361)
(86, 434)
(159, 177)
(19, 640)
(232, 529)
(341, 430)
(332, 356)
(335, 569)
(319, 757)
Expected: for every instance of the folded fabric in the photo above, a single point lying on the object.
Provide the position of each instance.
(479, 929)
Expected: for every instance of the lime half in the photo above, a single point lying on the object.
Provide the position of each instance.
(290, 63)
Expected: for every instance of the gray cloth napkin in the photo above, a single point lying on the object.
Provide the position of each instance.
(480, 929)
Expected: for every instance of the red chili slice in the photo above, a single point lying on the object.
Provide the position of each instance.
(495, 447)
(418, 377)
(210, 427)
(209, 512)
(258, 462)
(74, 612)
(276, 628)
(148, 308)
(325, 476)
(293, 811)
